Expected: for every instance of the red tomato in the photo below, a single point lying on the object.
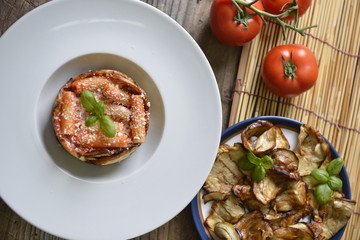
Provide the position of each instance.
(295, 81)
(229, 31)
(276, 7)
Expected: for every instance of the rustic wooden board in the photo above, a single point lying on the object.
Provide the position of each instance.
(193, 16)
(333, 104)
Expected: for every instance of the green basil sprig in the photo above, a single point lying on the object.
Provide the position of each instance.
(89, 102)
(328, 181)
(256, 164)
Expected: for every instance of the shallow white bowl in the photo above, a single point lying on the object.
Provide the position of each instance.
(58, 193)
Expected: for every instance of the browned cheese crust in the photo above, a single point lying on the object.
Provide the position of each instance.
(124, 102)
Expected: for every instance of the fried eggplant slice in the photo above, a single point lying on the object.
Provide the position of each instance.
(215, 196)
(226, 231)
(302, 226)
(318, 231)
(292, 198)
(285, 219)
(313, 204)
(229, 210)
(335, 214)
(225, 172)
(259, 137)
(291, 233)
(268, 188)
(281, 141)
(262, 136)
(312, 150)
(286, 159)
(253, 227)
(285, 162)
(246, 195)
(237, 151)
(243, 192)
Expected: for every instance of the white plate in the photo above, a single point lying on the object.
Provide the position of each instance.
(70, 199)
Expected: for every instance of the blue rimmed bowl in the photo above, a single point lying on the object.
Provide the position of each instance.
(230, 135)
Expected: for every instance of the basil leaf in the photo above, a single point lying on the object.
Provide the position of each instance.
(322, 194)
(310, 181)
(320, 175)
(335, 183)
(253, 158)
(335, 166)
(91, 120)
(258, 173)
(99, 108)
(267, 162)
(245, 164)
(88, 100)
(107, 126)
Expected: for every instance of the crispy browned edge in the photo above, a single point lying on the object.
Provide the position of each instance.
(117, 78)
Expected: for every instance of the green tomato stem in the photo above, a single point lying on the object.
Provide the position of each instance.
(240, 13)
(296, 13)
(261, 14)
(289, 67)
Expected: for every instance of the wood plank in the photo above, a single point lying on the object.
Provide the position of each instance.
(193, 16)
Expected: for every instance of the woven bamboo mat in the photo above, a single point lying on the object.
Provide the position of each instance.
(333, 104)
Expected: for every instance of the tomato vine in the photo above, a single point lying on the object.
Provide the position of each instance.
(243, 15)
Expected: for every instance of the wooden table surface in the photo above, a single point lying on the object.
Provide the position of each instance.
(193, 16)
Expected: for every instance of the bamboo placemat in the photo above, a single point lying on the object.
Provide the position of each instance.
(333, 104)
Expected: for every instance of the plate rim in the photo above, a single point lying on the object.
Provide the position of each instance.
(276, 120)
